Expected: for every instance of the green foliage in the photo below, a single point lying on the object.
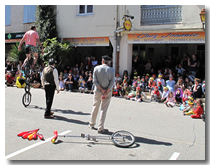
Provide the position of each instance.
(16, 55)
(61, 52)
(46, 22)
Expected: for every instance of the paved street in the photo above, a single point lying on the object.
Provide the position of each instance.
(161, 133)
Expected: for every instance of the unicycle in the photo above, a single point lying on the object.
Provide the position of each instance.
(120, 138)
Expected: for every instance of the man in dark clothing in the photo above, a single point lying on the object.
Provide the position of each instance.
(50, 83)
(192, 64)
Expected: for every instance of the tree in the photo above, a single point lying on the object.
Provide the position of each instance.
(46, 22)
(16, 55)
(61, 52)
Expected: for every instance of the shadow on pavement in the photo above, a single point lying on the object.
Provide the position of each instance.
(59, 110)
(69, 120)
(151, 141)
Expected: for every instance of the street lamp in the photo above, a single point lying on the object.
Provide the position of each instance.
(202, 16)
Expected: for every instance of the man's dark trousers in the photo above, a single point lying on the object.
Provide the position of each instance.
(49, 94)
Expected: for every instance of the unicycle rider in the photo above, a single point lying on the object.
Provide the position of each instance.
(30, 38)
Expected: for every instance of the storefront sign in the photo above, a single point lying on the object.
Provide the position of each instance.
(127, 25)
(167, 38)
(13, 37)
(88, 41)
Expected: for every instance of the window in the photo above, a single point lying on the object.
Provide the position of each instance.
(29, 13)
(161, 14)
(7, 14)
(85, 9)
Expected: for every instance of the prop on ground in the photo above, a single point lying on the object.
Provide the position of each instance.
(31, 135)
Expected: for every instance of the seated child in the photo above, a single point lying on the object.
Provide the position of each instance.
(125, 90)
(151, 84)
(160, 87)
(164, 95)
(134, 81)
(178, 96)
(199, 111)
(132, 93)
(170, 101)
(83, 87)
(188, 110)
(142, 84)
(186, 93)
(155, 94)
(139, 96)
(117, 90)
(61, 83)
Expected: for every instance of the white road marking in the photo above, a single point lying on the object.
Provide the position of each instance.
(34, 145)
(174, 156)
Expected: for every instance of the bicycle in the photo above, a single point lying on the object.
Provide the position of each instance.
(120, 138)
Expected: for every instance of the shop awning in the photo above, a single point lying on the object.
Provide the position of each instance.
(88, 41)
(167, 38)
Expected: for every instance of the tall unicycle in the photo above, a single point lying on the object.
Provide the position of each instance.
(26, 99)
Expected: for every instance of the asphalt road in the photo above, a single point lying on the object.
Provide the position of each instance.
(161, 133)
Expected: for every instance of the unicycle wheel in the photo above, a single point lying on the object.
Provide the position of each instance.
(123, 139)
(26, 100)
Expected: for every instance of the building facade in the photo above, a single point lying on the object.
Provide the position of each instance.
(120, 31)
(157, 31)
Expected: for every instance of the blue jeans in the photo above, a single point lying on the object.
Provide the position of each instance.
(70, 86)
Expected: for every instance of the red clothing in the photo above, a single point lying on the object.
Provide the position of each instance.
(10, 79)
(156, 93)
(198, 112)
(151, 85)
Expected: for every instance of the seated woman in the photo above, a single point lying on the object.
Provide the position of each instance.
(20, 81)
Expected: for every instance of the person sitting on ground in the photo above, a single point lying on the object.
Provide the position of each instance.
(199, 111)
(151, 84)
(139, 96)
(83, 87)
(36, 80)
(134, 81)
(117, 79)
(187, 83)
(159, 79)
(125, 80)
(185, 96)
(179, 84)
(61, 83)
(170, 83)
(132, 93)
(170, 101)
(69, 82)
(160, 87)
(178, 96)
(188, 110)
(125, 90)
(117, 90)
(80, 80)
(164, 95)
(155, 94)
(10, 79)
(20, 81)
